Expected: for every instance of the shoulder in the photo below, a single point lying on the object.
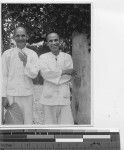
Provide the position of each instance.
(44, 56)
(31, 52)
(66, 55)
(43, 59)
(7, 52)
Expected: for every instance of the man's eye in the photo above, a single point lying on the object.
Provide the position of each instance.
(23, 36)
(17, 36)
(56, 40)
(50, 41)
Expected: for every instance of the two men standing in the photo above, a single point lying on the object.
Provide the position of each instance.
(21, 64)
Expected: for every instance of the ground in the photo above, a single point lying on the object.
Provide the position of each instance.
(37, 107)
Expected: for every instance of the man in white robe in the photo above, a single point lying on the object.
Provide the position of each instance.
(19, 67)
(56, 68)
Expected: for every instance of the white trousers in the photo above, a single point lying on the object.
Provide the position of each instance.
(58, 115)
(26, 104)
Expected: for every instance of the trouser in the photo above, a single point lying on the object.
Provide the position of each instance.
(58, 114)
(26, 105)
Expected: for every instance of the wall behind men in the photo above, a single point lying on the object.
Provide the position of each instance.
(108, 65)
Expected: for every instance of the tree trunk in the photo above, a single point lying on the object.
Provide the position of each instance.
(81, 91)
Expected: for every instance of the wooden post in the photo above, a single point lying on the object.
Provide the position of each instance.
(81, 91)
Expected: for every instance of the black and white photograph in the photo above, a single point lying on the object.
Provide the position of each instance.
(46, 64)
(62, 74)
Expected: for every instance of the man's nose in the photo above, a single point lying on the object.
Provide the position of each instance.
(20, 37)
(53, 42)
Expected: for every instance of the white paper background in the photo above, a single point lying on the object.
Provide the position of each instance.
(107, 63)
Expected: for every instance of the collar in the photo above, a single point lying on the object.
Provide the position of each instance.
(21, 49)
(55, 55)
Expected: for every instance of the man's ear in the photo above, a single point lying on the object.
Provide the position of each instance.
(27, 37)
(13, 37)
(47, 43)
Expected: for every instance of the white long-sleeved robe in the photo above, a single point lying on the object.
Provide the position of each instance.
(16, 79)
(56, 89)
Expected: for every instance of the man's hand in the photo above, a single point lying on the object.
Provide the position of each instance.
(5, 102)
(23, 57)
(71, 72)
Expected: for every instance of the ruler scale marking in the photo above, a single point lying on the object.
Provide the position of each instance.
(29, 139)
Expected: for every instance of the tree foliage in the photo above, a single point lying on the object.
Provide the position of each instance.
(40, 19)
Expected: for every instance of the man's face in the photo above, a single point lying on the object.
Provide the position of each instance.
(20, 37)
(53, 42)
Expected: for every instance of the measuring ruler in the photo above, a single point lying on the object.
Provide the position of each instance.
(41, 139)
